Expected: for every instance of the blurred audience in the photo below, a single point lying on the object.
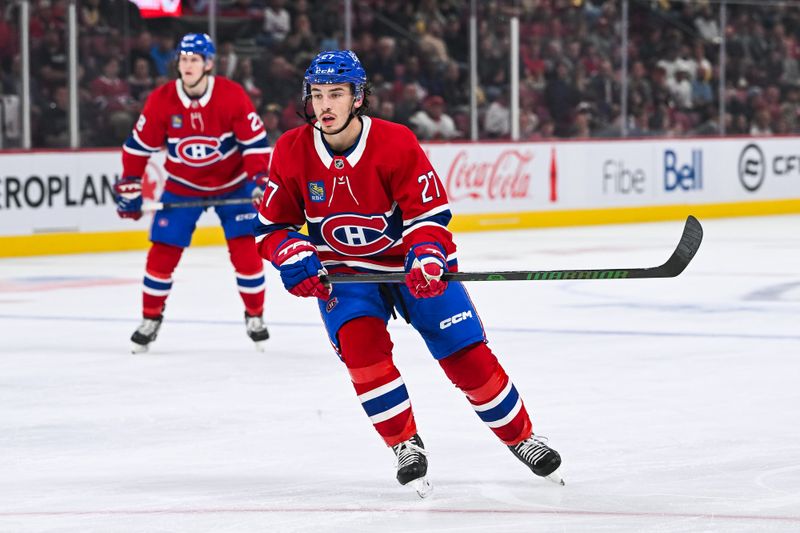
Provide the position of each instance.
(416, 55)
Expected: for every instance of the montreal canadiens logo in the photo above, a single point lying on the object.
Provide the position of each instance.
(199, 151)
(356, 235)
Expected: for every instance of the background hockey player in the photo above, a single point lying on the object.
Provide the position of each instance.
(216, 149)
(374, 203)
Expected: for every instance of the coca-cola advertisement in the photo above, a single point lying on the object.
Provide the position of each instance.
(496, 177)
(508, 175)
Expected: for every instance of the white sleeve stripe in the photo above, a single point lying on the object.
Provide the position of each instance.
(423, 224)
(133, 151)
(432, 212)
(144, 144)
(265, 221)
(248, 151)
(258, 137)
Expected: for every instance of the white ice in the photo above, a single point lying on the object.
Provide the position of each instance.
(674, 403)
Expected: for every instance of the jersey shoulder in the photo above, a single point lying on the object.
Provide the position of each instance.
(295, 139)
(391, 136)
(393, 129)
(164, 93)
(228, 87)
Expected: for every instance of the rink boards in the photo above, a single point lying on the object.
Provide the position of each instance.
(62, 201)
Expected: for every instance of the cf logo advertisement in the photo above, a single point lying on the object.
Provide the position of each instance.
(752, 167)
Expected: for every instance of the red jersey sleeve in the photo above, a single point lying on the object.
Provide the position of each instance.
(281, 210)
(147, 137)
(419, 193)
(250, 134)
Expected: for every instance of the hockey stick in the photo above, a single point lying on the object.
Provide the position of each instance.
(680, 258)
(158, 206)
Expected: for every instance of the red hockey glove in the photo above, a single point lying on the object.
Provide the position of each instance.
(425, 265)
(296, 259)
(129, 197)
(257, 193)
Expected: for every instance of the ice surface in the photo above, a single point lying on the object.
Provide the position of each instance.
(675, 403)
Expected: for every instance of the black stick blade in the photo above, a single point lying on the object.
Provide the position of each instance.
(686, 249)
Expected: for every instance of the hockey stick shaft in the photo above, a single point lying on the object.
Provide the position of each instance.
(158, 206)
(687, 248)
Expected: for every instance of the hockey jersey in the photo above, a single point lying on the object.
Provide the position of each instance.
(364, 209)
(213, 142)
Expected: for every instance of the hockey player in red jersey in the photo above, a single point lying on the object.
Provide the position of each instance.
(373, 203)
(216, 150)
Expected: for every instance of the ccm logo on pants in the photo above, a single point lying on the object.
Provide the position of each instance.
(455, 319)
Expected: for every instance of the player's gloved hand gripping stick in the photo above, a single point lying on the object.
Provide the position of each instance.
(128, 195)
(425, 265)
(300, 268)
(677, 263)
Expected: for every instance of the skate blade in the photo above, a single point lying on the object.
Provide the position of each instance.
(261, 346)
(138, 348)
(555, 477)
(422, 486)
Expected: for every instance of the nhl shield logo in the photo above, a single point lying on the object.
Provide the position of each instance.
(316, 190)
(338, 163)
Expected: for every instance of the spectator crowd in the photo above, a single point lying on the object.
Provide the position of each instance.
(416, 56)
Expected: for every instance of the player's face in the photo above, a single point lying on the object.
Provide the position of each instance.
(332, 104)
(191, 67)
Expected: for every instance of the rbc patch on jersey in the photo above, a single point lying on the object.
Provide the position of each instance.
(316, 190)
(177, 121)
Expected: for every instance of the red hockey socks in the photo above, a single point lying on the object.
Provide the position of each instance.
(476, 371)
(161, 262)
(249, 273)
(366, 350)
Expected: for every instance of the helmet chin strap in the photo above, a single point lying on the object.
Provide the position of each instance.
(195, 84)
(199, 80)
(350, 117)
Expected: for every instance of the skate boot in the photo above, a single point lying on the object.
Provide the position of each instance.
(539, 457)
(256, 330)
(412, 465)
(145, 334)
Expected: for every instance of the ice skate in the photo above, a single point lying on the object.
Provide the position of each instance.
(412, 465)
(539, 457)
(145, 334)
(256, 330)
